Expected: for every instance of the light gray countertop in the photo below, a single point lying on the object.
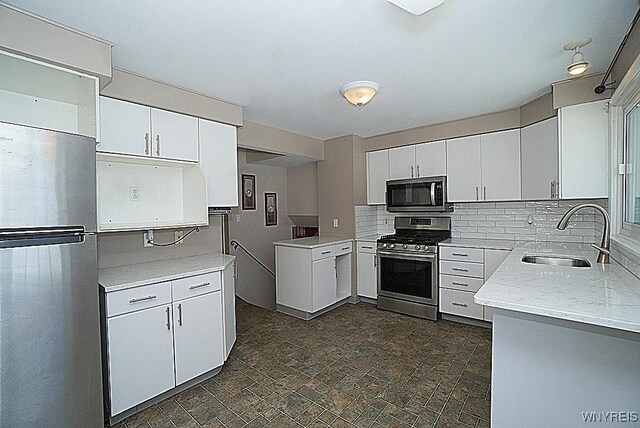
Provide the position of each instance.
(368, 238)
(494, 244)
(603, 295)
(312, 242)
(123, 277)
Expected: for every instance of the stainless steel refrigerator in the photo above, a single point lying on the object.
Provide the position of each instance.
(50, 366)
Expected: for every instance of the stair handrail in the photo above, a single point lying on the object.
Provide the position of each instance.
(235, 244)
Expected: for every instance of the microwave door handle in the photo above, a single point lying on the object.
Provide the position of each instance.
(433, 194)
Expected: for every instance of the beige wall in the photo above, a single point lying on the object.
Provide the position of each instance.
(126, 248)
(359, 171)
(129, 86)
(537, 110)
(302, 190)
(267, 139)
(36, 37)
(254, 284)
(499, 121)
(577, 91)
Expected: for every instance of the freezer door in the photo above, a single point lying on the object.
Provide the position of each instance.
(50, 366)
(46, 178)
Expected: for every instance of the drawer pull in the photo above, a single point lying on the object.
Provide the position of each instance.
(345, 248)
(460, 283)
(460, 269)
(168, 324)
(204, 284)
(367, 247)
(142, 299)
(326, 252)
(460, 254)
(464, 305)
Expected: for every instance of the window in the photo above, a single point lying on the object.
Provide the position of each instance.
(632, 160)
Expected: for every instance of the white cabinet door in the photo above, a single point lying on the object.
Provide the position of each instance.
(125, 128)
(584, 154)
(325, 292)
(175, 136)
(140, 352)
(198, 335)
(377, 176)
(229, 308)
(539, 154)
(402, 162)
(464, 176)
(431, 159)
(501, 166)
(219, 161)
(367, 275)
(492, 260)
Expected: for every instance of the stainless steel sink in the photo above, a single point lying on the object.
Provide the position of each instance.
(557, 260)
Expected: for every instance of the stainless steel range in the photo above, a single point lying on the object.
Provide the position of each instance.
(408, 266)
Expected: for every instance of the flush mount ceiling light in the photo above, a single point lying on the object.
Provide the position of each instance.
(417, 7)
(359, 93)
(578, 64)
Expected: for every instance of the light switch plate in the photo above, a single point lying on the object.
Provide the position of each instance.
(335, 222)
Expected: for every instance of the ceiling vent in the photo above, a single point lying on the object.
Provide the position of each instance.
(417, 7)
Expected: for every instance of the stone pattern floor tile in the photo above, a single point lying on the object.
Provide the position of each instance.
(355, 366)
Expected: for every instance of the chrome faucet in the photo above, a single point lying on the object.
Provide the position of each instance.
(604, 251)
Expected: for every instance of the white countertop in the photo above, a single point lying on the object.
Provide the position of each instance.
(494, 244)
(312, 242)
(603, 295)
(123, 277)
(368, 238)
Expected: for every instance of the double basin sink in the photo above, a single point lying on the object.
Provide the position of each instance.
(557, 261)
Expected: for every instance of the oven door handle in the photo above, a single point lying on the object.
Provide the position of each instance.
(433, 194)
(422, 256)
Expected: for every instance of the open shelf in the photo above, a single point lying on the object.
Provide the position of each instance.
(137, 193)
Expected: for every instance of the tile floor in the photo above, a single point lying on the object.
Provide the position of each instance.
(355, 366)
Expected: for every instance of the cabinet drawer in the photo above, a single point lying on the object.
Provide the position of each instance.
(367, 247)
(343, 248)
(475, 270)
(462, 254)
(459, 303)
(462, 283)
(135, 299)
(323, 252)
(195, 285)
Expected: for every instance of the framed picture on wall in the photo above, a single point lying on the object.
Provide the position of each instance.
(248, 192)
(270, 209)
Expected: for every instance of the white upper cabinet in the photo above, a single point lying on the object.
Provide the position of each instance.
(134, 129)
(175, 136)
(464, 174)
(377, 176)
(584, 154)
(431, 159)
(219, 162)
(126, 128)
(402, 162)
(539, 154)
(501, 166)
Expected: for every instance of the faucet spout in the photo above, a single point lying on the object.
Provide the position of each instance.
(604, 248)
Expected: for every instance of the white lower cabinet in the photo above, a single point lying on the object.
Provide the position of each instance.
(229, 307)
(367, 272)
(140, 348)
(462, 272)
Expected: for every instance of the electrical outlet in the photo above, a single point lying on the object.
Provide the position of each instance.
(134, 193)
(386, 221)
(335, 222)
(148, 239)
(238, 218)
(177, 236)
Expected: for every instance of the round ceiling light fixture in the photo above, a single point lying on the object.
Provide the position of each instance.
(578, 64)
(359, 93)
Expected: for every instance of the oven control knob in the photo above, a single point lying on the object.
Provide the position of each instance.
(383, 245)
(404, 246)
(417, 247)
(392, 245)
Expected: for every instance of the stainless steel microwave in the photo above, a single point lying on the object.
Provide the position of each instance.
(427, 194)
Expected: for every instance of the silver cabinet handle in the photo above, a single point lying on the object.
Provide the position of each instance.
(204, 284)
(418, 170)
(460, 283)
(411, 171)
(464, 305)
(158, 145)
(146, 143)
(168, 320)
(477, 197)
(485, 192)
(180, 314)
(367, 247)
(326, 252)
(375, 260)
(459, 269)
(235, 271)
(143, 299)
(346, 248)
(460, 254)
